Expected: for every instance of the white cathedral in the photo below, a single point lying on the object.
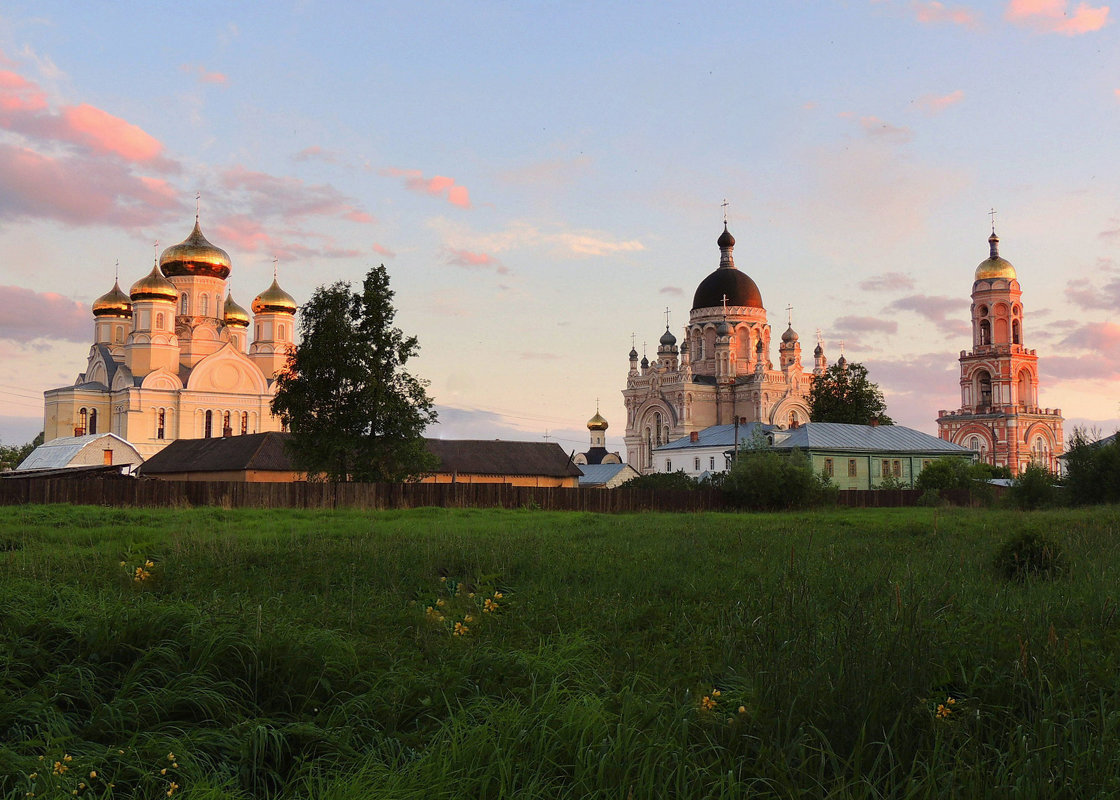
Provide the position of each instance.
(722, 372)
(171, 359)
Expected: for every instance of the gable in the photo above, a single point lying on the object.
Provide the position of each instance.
(228, 371)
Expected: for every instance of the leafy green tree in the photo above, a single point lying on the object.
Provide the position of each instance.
(764, 479)
(1033, 488)
(662, 480)
(11, 456)
(944, 473)
(844, 394)
(354, 411)
(1092, 469)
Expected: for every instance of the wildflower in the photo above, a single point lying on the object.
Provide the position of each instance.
(67, 758)
(121, 752)
(441, 602)
(122, 563)
(443, 579)
(468, 618)
(715, 692)
(170, 756)
(93, 773)
(943, 711)
(498, 595)
(175, 764)
(742, 709)
(460, 629)
(33, 775)
(60, 768)
(149, 564)
(82, 785)
(163, 771)
(470, 595)
(950, 701)
(489, 606)
(707, 703)
(171, 789)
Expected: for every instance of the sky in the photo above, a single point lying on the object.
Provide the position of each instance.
(543, 180)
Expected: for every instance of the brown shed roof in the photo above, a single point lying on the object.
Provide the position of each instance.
(262, 451)
(486, 457)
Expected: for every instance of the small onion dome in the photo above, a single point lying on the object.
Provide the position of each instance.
(725, 239)
(994, 266)
(668, 339)
(723, 329)
(645, 362)
(274, 299)
(195, 256)
(154, 286)
(114, 303)
(633, 354)
(842, 362)
(818, 350)
(790, 335)
(727, 281)
(233, 314)
(596, 423)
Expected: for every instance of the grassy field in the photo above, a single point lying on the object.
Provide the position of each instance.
(847, 654)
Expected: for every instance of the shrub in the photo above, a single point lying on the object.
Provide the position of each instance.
(944, 473)
(763, 479)
(1029, 555)
(662, 480)
(1092, 470)
(1034, 488)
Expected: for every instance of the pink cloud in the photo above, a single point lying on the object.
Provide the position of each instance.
(1054, 16)
(916, 388)
(439, 185)
(248, 234)
(381, 250)
(929, 13)
(80, 191)
(935, 104)
(24, 109)
(30, 315)
(316, 153)
(1088, 295)
(204, 75)
(289, 198)
(465, 258)
(887, 282)
(1102, 338)
(949, 314)
(878, 129)
(853, 324)
(673, 290)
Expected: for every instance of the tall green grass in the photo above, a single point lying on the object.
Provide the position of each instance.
(291, 654)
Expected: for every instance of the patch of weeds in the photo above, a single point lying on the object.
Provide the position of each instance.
(1029, 555)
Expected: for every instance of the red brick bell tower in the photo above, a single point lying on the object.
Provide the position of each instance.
(1000, 417)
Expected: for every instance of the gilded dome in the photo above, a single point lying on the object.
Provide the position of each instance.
(114, 303)
(154, 286)
(727, 281)
(195, 256)
(596, 423)
(994, 266)
(233, 314)
(274, 299)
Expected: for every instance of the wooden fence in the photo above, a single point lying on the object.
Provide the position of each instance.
(157, 493)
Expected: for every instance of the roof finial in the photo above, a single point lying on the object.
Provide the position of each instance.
(724, 204)
(197, 206)
(155, 251)
(117, 271)
(666, 317)
(789, 315)
(841, 348)
(632, 338)
(820, 338)
(275, 266)
(992, 214)
(596, 405)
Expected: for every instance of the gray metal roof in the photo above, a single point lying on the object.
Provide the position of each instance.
(865, 438)
(58, 453)
(598, 474)
(720, 436)
(825, 436)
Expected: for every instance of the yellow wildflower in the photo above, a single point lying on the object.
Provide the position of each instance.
(468, 618)
(489, 606)
(33, 775)
(67, 758)
(498, 595)
(170, 756)
(163, 771)
(715, 692)
(93, 773)
(175, 764)
(707, 703)
(171, 789)
(460, 629)
(742, 709)
(943, 711)
(149, 564)
(441, 602)
(443, 579)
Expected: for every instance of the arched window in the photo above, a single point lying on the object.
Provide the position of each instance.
(985, 332)
(226, 429)
(984, 385)
(657, 427)
(159, 322)
(244, 422)
(793, 420)
(280, 331)
(203, 305)
(93, 420)
(83, 421)
(184, 304)
(208, 428)
(118, 334)
(1026, 388)
(974, 443)
(161, 419)
(1016, 336)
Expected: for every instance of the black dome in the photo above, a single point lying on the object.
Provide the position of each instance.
(738, 286)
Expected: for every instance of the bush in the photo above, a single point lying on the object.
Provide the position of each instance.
(662, 481)
(1092, 470)
(1034, 488)
(1029, 555)
(763, 479)
(944, 473)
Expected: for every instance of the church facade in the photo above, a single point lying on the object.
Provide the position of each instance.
(1000, 417)
(173, 358)
(721, 373)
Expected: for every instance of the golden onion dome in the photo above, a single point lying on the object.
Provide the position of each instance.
(994, 266)
(195, 256)
(233, 314)
(274, 299)
(597, 423)
(154, 286)
(114, 303)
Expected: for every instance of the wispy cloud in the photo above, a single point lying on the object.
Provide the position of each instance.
(935, 104)
(949, 314)
(1055, 16)
(204, 75)
(317, 153)
(246, 232)
(887, 282)
(521, 235)
(1089, 295)
(437, 186)
(381, 250)
(30, 316)
(289, 198)
(469, 260)
(844, 326)
(676, 291)
(876, 128)
(935, 13)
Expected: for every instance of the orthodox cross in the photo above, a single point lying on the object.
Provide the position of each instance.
(155, 250)
(275, 266)
(632, 335)
(725, 305)
(116, 270)
(724, 204)
(992, 214)
(789, 314)
(666, 317)
(820, 339)
(197, 205)
(841, 347)
(547, 435)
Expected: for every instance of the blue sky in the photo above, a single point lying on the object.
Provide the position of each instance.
(543, 179)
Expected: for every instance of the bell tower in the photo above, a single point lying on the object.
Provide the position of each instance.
(1000, 417)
